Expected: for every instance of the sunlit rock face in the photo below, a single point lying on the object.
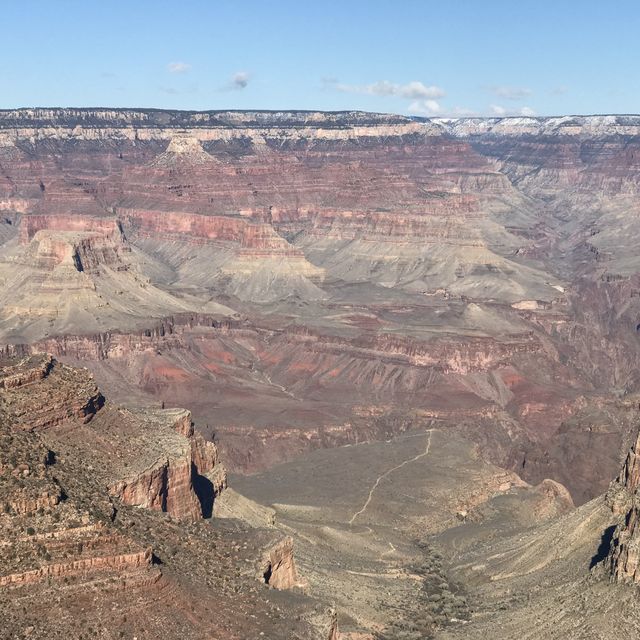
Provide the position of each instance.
(624, 554)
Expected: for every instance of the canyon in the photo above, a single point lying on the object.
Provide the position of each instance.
(396, 335)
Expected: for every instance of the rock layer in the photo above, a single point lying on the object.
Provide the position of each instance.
(476, 271)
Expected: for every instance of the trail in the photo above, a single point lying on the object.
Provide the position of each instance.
(388, 473)
(267, 378)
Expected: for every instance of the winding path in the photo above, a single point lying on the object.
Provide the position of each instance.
(389, 472)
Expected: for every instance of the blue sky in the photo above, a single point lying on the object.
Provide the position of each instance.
(425, 57)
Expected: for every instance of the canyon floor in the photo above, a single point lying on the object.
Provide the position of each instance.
(412, 343)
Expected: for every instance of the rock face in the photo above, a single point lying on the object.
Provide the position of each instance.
(278, 568)
(118, 563)
(624, 556)
(174, 469)
(184, 484)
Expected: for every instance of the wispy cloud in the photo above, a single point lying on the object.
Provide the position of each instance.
(414, 90)
(500, 111)
(508, 92)
(559, 91)
(172, 91)
(425, 107)
(178, 67)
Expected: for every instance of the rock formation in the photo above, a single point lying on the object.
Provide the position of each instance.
(354, 263)
(278, 567)
(624, 556)
(161, 462)
(98, 513)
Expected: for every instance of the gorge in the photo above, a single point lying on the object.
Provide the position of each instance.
(411, 343)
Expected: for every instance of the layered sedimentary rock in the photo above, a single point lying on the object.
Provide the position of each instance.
(71, 543)
(302, 281)
(66, 271)
(33, 398)
(184, 483)
(344, 215)
(278, 567)
(156, 460)
(478, 272)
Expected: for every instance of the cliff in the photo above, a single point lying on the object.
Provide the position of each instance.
(97, 515)
(148, 458)
(624, 554)
(466, 269)
(184, 483)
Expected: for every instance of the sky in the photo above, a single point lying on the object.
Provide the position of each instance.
(420, 57)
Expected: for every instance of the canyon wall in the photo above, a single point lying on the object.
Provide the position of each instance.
(363, 272)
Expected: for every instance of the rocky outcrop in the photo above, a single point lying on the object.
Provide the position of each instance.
(117, 563)
(184, 482)
(278, 568)
(24, 372)
(178, 473)
(23, 505)
(184, 487)
(106, 227)
(622, 497)
(37, 400)
(554, 500)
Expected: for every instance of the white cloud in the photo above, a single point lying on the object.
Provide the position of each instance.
(425, 107)
(414, 90)
(239, 80)
(508, 92)
(178, 67)
(501, 112)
